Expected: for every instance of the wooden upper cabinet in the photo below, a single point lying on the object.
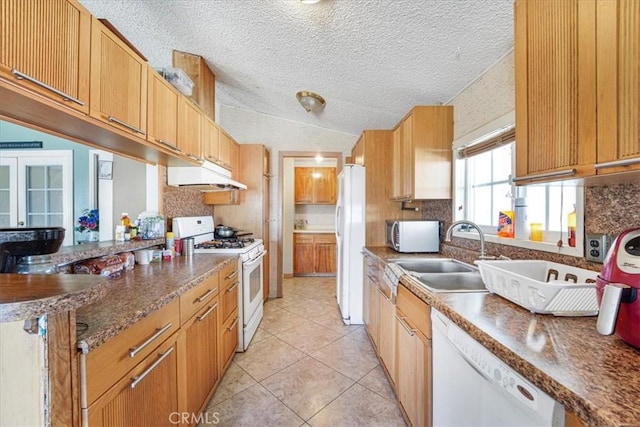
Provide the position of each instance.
(118, 82)
(618, 81)
(555, 77)
(190, 122)
(224, 154)
(203, 79)
(210, 140)
(234, 159)
(357, 153)
(162, 111)
(423, 153)
(315, 185)
(45, 48)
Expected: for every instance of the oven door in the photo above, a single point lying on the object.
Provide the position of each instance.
(251, 297)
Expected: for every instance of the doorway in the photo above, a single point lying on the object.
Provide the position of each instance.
(36, 190)
(287, 213)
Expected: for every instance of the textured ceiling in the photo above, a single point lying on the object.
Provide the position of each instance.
(371, 60)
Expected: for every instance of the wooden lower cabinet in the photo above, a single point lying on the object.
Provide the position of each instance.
(413, 358)
(314, 254)
(147, 396)
(201, 370)
(387, 334)
(229, 340)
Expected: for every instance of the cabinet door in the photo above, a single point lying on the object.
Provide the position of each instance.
(304, 185)
(413, 377)
(366, 297)
(118, 82)
(357, 153)
(147, 396)
(228, 340)
(396, 192)
(189, 128)
(406, 158)
(374, 313)
(387, 334)
(229, 298)
(162, 111)
(618, 57)
(325, 256)
(45, 48)
(210, 141)
(224, 154)
(555, 72)
(202, 370)
(303, 254)
(324, 185)
(234, 160)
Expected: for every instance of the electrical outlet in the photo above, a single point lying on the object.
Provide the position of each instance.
(596, 247)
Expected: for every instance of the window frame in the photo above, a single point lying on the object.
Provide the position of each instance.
(490, 231)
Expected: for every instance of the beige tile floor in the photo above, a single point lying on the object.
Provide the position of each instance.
(304, 367)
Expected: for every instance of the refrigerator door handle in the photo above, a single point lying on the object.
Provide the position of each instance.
(337, 221)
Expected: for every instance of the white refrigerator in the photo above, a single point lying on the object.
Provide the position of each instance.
(350, 237)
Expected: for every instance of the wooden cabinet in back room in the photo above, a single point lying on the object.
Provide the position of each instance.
(315, 186)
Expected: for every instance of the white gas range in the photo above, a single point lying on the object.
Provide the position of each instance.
(250, 253)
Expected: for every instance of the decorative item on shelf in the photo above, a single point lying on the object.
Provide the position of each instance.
(310, 101)
(88, 228)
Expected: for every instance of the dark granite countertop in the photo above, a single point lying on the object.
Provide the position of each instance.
(70, 254)
(27, 296)
(139, 292)
(596, 377)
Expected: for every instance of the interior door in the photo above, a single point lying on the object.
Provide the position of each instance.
(36, 190)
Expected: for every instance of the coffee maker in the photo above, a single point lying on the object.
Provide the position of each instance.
(26, 250)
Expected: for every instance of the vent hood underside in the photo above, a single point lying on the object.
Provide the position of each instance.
(208, 177)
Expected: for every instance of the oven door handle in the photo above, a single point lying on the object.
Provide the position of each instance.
(254, 261)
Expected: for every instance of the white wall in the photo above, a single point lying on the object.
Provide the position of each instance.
(288, 214)
(277, 134)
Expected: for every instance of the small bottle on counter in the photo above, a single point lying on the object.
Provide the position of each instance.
(126, 223)
(169, 242)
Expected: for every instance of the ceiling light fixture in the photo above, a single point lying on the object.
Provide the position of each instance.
(310, 101)
(309, 1)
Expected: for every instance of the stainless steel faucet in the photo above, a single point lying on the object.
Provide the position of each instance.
(447, 237)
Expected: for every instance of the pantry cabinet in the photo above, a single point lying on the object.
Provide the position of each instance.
(46, 49)
(162, 111)
(618, 77)
(315, 185)
(413, 357)
(422, 154)
(372, 151)
(555, 72)
(118, 82)
(314, 254)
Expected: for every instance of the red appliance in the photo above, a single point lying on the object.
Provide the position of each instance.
(617, 289)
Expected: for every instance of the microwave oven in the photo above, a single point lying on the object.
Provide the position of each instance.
(413, 235)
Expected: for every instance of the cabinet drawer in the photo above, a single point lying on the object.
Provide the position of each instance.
(303, 238)
(229, 299)
(196, 298)
(229, 340)
(417, 312)
(324, 238)
(228, 275)
(109, 362)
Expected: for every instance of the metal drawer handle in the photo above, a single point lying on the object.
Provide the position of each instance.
(22, 76)
(613, 164)
(136, 380)
(167, 144)
(208, 312)
(159, 331)
(233, 324)
(235, 285)
(196, 158)
(405, 326)
(205, 296)
(232, 275)
(125, 124)
(568, 172)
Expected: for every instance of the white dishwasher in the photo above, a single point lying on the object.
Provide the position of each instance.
(472, 387)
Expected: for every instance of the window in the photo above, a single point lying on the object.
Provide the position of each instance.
(483, 172)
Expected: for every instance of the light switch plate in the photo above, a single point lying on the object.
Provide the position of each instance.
(596, 248)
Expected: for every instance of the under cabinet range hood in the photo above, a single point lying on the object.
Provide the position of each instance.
(208, 177)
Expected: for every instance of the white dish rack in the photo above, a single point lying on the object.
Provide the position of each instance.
(542, 286)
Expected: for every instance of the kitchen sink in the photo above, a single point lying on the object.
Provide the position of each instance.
(443, 274)
(452, 282)
(434, 265)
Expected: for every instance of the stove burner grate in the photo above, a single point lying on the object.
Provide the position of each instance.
(225, 243)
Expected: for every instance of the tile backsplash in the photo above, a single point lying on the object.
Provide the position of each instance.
(608, 209)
